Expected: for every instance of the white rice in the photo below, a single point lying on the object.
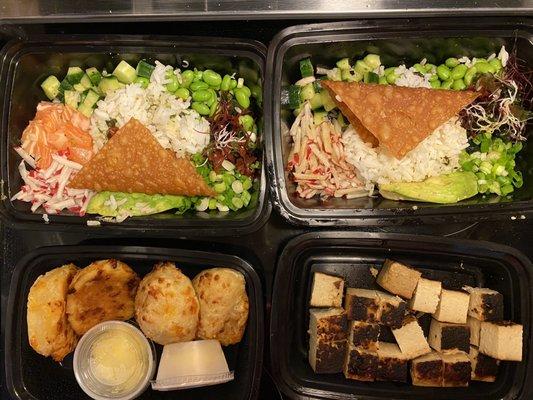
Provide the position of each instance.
(411, 78)
(436, 155)
(169, 118)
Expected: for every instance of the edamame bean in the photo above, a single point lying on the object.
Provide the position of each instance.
(419, 68)
(383, 80)
(433, 78)
(187, 77)
(496, 64)
(213, 108)
(447, 84)
(430, 67)
(458, 84)
(389, 71)
(469, 75)
(246, 90)
(242, 98)
(199, 85)
(226, 81)
(182, 93)
(443, 72)
(198, 75)
(173, 85)
(247, 122)
(233, 84)
(483, 67)
(212, 97)
(212, 78)
(459, 71)
(142, 81)
(201, 95)
(451, 62)
(200, 108)
(391, 78)
(435, 84)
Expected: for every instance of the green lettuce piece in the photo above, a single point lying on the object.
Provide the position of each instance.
(113, 204)
(443, 189)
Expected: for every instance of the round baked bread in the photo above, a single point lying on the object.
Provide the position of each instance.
(166, 307)
(49, 332)
(103, 291)
(223, 305)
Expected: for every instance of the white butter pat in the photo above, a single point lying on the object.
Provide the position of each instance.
(192, 364)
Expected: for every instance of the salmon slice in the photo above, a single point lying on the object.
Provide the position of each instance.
(57, 128)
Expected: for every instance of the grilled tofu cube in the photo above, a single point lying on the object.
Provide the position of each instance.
(362, 305)
(427, 370)
(326, 357)
(392, 364)
(328, 331)
(398, 278)
(485, 304)
(426, 296)
(457, 369)
(360, 364)
(364, 335)
(411, 339)
(484, 368)
(327, 290)
(446, 336)
(501, 340)
(475, 327)
(391, 310)
(453, 307)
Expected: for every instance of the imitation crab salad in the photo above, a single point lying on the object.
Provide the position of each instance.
(141, 141)
(434, 133)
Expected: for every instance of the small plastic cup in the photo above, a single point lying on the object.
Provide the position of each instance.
(131, 388)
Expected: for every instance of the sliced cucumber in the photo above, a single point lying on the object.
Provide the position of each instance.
(94, 75)
(372, 60)
(86, 81)
(86, 107)
(72, 98)
(294, 96)
(327, 101)
(125, 73)
(144, 69)
(316, 101)
(319, 117)
(361, 67)
(109, 84)
(64, 86)
(306, 68)
(371, 77)
(307, 92)
(51, 87)
(78, 87)
(85, 110)
(344, 64)
(317, 86)
(74, 75)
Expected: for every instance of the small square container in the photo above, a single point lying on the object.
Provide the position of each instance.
(399, 40)
(25, 64)
(32, 376)
(351, 255)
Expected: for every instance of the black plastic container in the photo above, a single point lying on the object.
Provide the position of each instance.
(24, 65)
(455, 262)
(396, 41)
(32, 376)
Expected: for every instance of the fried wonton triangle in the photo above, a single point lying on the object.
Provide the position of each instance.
(133, 161)
(394, 117)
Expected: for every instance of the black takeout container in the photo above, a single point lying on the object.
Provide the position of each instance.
(32, 376)
(25, 64)
(407, 40)
(350, 255)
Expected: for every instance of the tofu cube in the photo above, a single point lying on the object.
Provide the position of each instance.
(360, 364)
(475, 327)
(426, 296)
(328, 332)
(364, 335)
(457, 369)
(501, 340)
(453, 307)
(484, 368)
(427, 370)
(329, 324)
(391, 310)
(485, 304)
(398, 278)
(446, 336)
(327, 357)
(362, 305)
(411, 339)
(327, 290)
(392, 364)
